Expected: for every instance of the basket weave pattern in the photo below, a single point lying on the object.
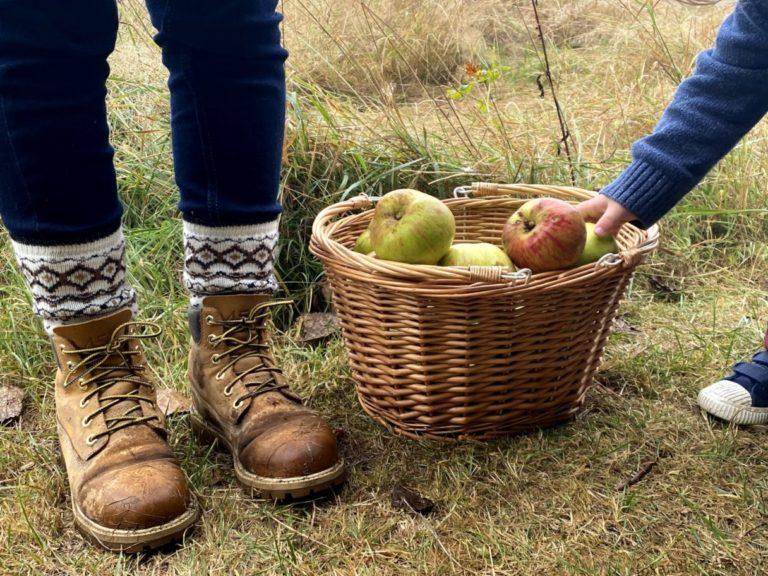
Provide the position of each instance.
(471, 352)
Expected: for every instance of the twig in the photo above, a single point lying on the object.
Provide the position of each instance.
(644, 470)
(548, 73)
(754, 528)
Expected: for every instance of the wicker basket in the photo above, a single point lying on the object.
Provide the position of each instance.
(480, 352)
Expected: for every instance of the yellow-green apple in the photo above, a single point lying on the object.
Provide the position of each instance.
(363, 243)
(596, 247)
(412, 227)
(481, 254)
(545, 234)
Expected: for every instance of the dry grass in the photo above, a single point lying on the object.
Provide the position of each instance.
(369, 110)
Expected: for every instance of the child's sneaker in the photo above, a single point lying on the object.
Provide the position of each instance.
(742, 398)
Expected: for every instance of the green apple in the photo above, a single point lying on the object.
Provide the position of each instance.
(412, 227)
(482, 254)
(596, 247)
(363, 243)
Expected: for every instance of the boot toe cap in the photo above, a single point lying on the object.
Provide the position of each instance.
(291, 450)
(137, 497)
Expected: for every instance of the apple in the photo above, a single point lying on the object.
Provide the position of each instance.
(363, 243)
(545, 234)
(412, 227)
(596, 247)
(481, 254)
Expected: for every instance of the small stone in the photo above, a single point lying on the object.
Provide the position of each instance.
(11, 398)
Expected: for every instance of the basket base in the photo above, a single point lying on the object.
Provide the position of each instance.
(494, 432)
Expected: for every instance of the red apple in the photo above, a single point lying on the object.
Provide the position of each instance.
(545, 234)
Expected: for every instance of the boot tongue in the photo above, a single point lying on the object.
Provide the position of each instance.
(249, 360)
(93, 332)
(232, 307)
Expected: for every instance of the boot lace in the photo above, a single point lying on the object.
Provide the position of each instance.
(242, 338)
(101, 367)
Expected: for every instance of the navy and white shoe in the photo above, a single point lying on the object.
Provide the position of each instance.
(742, 398)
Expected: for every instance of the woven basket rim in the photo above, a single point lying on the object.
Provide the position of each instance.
(455, 281)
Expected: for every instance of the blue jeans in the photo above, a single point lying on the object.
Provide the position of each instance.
(227, 83)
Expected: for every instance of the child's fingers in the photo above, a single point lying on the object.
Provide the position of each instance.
(608, 215)
(612, 220)
(591, 210)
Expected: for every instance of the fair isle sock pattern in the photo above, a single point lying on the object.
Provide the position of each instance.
(75, 282)
(229, 259)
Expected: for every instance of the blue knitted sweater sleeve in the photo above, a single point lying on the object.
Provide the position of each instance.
(710, 112)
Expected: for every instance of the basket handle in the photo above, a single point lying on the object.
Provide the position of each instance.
(498, 275)
(634, 255)
(486, 189)
(640, 251)
(330, 213)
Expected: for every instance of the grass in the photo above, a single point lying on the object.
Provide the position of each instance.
(369, 110)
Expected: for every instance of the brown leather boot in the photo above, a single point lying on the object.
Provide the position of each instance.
(280, 448)
(128, 491)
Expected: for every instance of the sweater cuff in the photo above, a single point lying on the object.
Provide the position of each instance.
(646, 191)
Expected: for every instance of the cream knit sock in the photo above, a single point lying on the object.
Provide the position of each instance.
(75, 282)
(229, 259)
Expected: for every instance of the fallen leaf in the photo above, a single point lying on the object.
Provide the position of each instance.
(317, 326)
(10, 402)
(172, 402)
(404, 498)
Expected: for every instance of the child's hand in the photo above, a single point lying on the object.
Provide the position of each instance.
(608, 214)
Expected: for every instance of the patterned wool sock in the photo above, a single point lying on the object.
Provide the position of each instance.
(229, 259)
(74, 282)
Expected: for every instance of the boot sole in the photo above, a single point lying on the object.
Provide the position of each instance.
(134, 541)
(278, 489)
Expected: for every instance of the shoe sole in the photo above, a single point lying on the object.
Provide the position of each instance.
(738, 414)
(141, 540)
(278, 489)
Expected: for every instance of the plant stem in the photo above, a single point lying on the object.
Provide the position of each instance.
(560, 116)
